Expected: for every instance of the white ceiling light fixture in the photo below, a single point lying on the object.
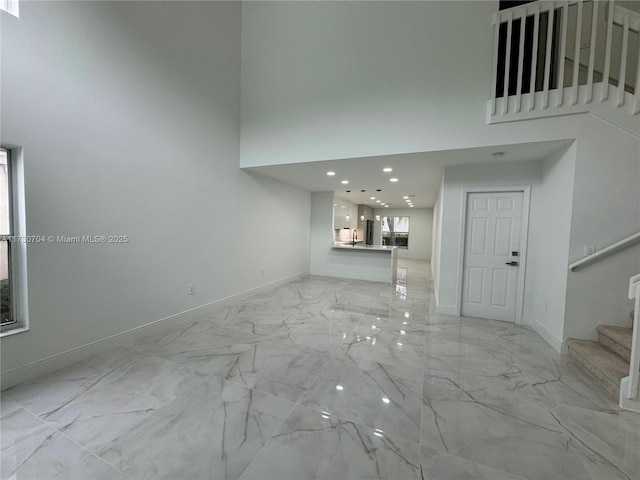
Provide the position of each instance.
(331, 174)
(394, 180)
(387, 169)
(345, 182)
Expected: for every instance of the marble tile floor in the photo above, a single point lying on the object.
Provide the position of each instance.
(322, 378)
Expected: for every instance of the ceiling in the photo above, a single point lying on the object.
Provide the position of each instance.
(418, 174)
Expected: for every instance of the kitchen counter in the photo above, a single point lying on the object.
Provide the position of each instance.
(361, 246)
(365, 262)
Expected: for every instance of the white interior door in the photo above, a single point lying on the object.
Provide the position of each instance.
(492, 252)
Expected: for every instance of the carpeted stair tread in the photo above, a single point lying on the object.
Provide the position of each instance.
(607, 367)
(618, 339)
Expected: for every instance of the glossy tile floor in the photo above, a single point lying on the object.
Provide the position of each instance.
(323, 378)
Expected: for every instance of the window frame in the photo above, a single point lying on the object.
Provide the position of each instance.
(17, 249)
(406, 234)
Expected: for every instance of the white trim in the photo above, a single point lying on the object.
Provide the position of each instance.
(127, 338)
(354, 275)
(622, 118)
(447, 310)
(557, 344)
(524, 233)
(19, 283)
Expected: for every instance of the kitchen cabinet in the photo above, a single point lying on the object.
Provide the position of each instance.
(340, 212)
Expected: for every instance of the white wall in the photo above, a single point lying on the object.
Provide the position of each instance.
(327, 80)
(550, 222)
(129, 116)
(455, 179)
(606, 209)
(420, 226)
(332, 80)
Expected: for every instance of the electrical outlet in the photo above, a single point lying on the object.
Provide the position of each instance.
(589, 250)
(192, 289)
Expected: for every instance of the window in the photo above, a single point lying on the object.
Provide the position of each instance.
(395, 231)
(12, 246)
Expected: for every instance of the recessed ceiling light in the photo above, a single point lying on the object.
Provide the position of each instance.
(372, 198)
(387, 169)
(408, 200)
(345, 182)
(393, 179)
(410, 206)
(405, 197)
(378, 201)
(331, 174)
(386, 206)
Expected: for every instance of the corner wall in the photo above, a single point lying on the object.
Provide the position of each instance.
(455, 180)
(545, 304)
(129, 116)
(606, 209)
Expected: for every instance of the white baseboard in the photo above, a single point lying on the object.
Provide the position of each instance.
(366, 276)
(126, 338)
(557, 344)
(447, 310)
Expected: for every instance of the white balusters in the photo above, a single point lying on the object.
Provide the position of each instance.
(547, 57)
(576, 57)
(607, 53)
(523, 22)
(634, 362)
(494, 75)
(563, 52)
(534, 58)
(592, 50)
(623, 61)
(566, 27)
(507, 63)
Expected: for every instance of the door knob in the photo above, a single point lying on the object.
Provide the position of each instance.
(513, 264)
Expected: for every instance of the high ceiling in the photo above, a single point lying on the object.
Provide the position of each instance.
(418, 174)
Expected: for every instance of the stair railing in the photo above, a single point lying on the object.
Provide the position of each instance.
(589, 258)
(631, 381)
(554, 52)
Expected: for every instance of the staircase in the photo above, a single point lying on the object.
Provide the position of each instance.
(607, 360)
(557, 58)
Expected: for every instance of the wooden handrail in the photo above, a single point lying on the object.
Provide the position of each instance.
(604, 251)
